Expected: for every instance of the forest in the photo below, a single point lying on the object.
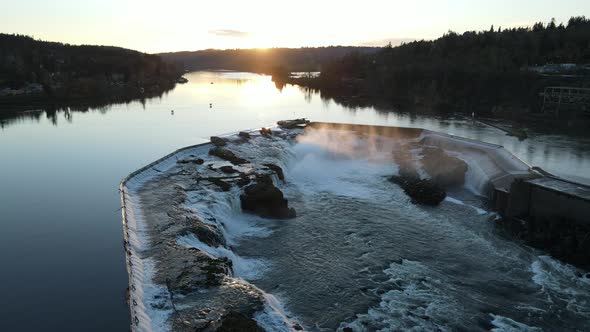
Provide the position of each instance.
(474, 69)
(32, 68)
(262, 60)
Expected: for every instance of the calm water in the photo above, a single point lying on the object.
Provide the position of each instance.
(61, 238)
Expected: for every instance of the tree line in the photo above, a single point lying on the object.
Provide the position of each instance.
(68, 71)
(470, 69)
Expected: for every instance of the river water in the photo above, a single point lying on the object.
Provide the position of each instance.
(61, 241)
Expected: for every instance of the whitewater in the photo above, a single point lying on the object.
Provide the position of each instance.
(360, 255)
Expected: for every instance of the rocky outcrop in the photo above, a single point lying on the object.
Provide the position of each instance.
(291, 124)
(266, 200)
(421, 191)
(266, 132)
(226, 154)
(244, 135)
(238, 322)
(218, 141)
(206, 233)
(444, 170)
(228, 170)
(278, 171)
(197, 161)
(224, 186)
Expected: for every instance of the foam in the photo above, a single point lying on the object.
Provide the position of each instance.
(562, 282)
(505, 324)
(420, 300)
(246, 268)
(460, 202)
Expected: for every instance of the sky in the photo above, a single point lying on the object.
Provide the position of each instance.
(186, 25)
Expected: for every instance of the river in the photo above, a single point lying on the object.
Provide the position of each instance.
(61, 240)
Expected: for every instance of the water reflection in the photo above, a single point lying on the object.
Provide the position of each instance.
(61, 167)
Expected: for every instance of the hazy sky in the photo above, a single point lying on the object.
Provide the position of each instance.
(175, 25)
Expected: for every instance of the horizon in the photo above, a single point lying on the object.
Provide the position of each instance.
(185, 26)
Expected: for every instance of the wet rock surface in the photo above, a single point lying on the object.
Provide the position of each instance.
(278, 171)
(421, 191)
(238, 322)
(228, 155)
(444, 170)
(202, 293)
(218, 141)
(296, 123)
(266, 200)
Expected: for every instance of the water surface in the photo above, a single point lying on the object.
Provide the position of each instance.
(61, 247)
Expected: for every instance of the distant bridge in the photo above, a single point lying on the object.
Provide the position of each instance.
(554, 97)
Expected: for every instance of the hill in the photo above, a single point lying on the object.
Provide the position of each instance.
(262, 60)
(32, 68)
(474, 69)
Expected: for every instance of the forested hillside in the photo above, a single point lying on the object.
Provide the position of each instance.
(262, 60)
(30, 67)
(486, 67)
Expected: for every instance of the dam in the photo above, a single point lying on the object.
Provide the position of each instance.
(196, 261)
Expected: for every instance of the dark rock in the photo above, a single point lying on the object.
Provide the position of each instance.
(208, 234)
(266, 200)
(197, 161)
(347, 329)
(218, 141)
(277, 169)
(195, 274)
(266, 132)
(297, 327)
(228, 169)
(290, 124)
(226, 154)
(445, 170)
(421, 191)
(244, 135)
(243, 181)
(238, 322)
(220, 183)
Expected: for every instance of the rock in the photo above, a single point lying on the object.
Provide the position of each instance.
(197, 161)
(208, 234)
(297, 327)
(244, 135)
(277, 169)
(238, 322)
(218, 141)
(243, 181)
(420, 191)
(220, 183)
(266, 132)
(266, 200)
(197, 273)
(226, 154)
(347, 329)
(290, 124)
(444, 170)
(228, 169)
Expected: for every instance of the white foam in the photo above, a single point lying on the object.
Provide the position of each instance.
(246, 268)
(460, 202)
(505, 324)
(419, 301)
(562, 282)
(274, 317)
